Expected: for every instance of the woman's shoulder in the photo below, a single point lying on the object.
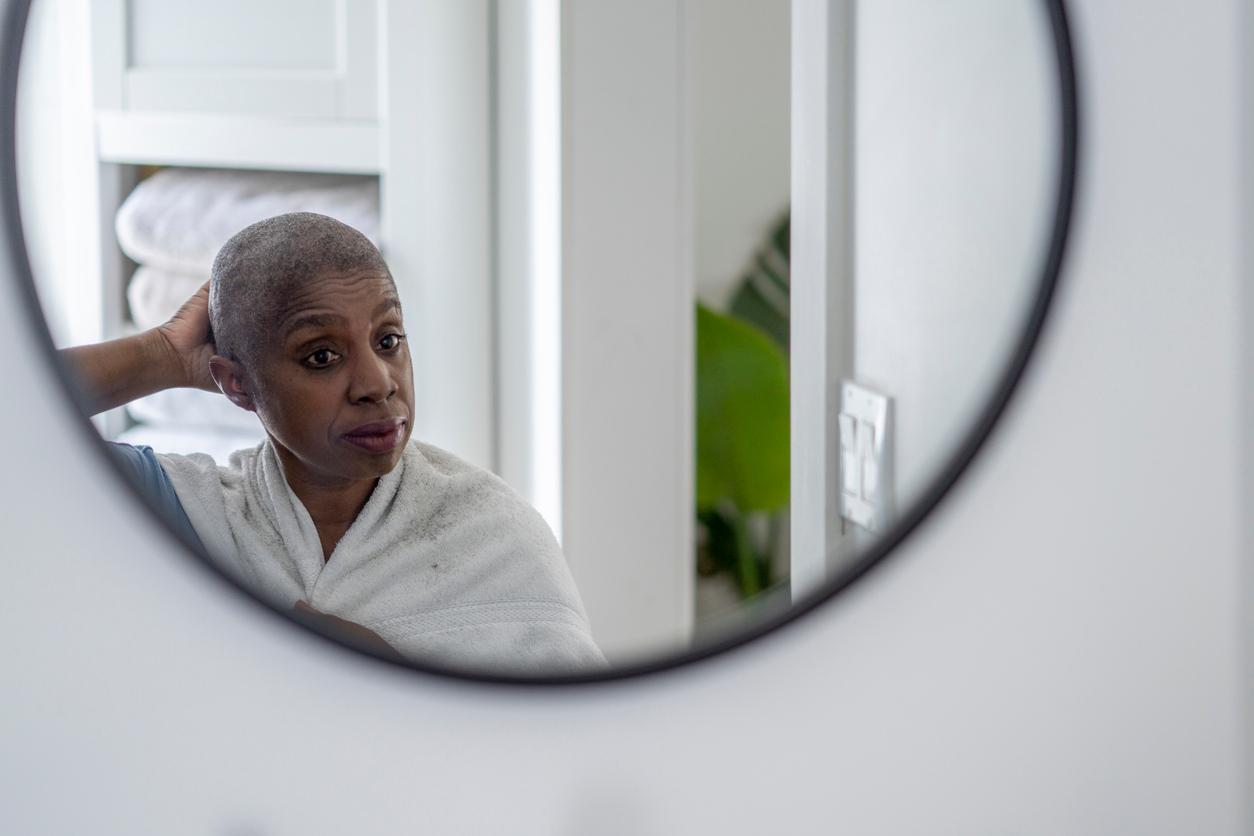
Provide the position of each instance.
(478, 497)
(460, 474)
(202, 467)
(150, 478)
(443, 461)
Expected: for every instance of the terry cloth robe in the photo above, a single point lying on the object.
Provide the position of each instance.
(445, 562)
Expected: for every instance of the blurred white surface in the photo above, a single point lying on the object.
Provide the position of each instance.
(1049, 655)
(957, 139)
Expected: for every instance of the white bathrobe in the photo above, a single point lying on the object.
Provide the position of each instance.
(445, 562)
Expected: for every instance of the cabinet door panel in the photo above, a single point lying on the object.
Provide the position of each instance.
(284, 58)
(294, 35)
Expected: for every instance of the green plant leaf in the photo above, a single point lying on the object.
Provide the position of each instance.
(742, 415)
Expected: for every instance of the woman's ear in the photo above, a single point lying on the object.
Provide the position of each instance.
(229, 376)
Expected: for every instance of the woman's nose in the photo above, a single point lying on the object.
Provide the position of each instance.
(372, 380)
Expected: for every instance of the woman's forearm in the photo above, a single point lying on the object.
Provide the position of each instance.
(117, 372)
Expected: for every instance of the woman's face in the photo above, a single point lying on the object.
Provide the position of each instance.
(335, 388)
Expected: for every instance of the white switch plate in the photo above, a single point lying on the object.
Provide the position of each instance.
(865, 456)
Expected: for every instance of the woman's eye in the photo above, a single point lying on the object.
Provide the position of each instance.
(391, 341)
(321, 358)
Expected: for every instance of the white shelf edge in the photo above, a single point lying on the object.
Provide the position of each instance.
(238, 141)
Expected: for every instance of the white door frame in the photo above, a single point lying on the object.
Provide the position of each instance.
(627, 321)
(436, 202)
(821, 262)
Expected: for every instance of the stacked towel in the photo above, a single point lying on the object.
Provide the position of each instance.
(216, 442)
(154, 294)
(173, 224)
(194, 409)
(178, 218)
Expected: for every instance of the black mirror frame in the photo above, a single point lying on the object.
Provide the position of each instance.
(14, 26)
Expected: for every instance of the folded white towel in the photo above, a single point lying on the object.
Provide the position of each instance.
(219, 443)
(445, 562)
(194, 408)
(179, 218)
(154, 295)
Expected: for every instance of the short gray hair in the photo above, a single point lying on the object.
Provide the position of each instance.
(258, 269)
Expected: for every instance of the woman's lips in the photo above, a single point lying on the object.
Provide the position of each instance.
(378, 436)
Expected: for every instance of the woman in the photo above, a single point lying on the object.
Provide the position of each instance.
(339, 514)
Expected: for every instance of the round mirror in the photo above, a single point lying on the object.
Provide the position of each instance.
(541, 341)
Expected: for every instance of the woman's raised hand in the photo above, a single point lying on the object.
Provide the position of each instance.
(190, 338)
(173, 355)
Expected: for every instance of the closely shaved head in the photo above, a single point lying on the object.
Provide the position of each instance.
(260, 268)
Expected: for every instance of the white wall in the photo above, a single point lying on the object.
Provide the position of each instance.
(1245, 592)
(1059, 651)
(57, 178)
(955, 149)
(739, 61)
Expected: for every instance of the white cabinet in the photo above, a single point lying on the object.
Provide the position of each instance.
(290, 84)
(279, 58)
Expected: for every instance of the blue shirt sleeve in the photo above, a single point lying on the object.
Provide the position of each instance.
(146, 473)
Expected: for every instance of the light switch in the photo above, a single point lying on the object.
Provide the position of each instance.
(870, 479)
(850, 474)
(848, 426)
(865, 456)
(865, 439)
(850, 467)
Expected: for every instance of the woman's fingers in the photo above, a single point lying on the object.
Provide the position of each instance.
(348, 632)
(189, 335)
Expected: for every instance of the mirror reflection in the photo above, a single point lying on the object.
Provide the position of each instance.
(535, 338)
